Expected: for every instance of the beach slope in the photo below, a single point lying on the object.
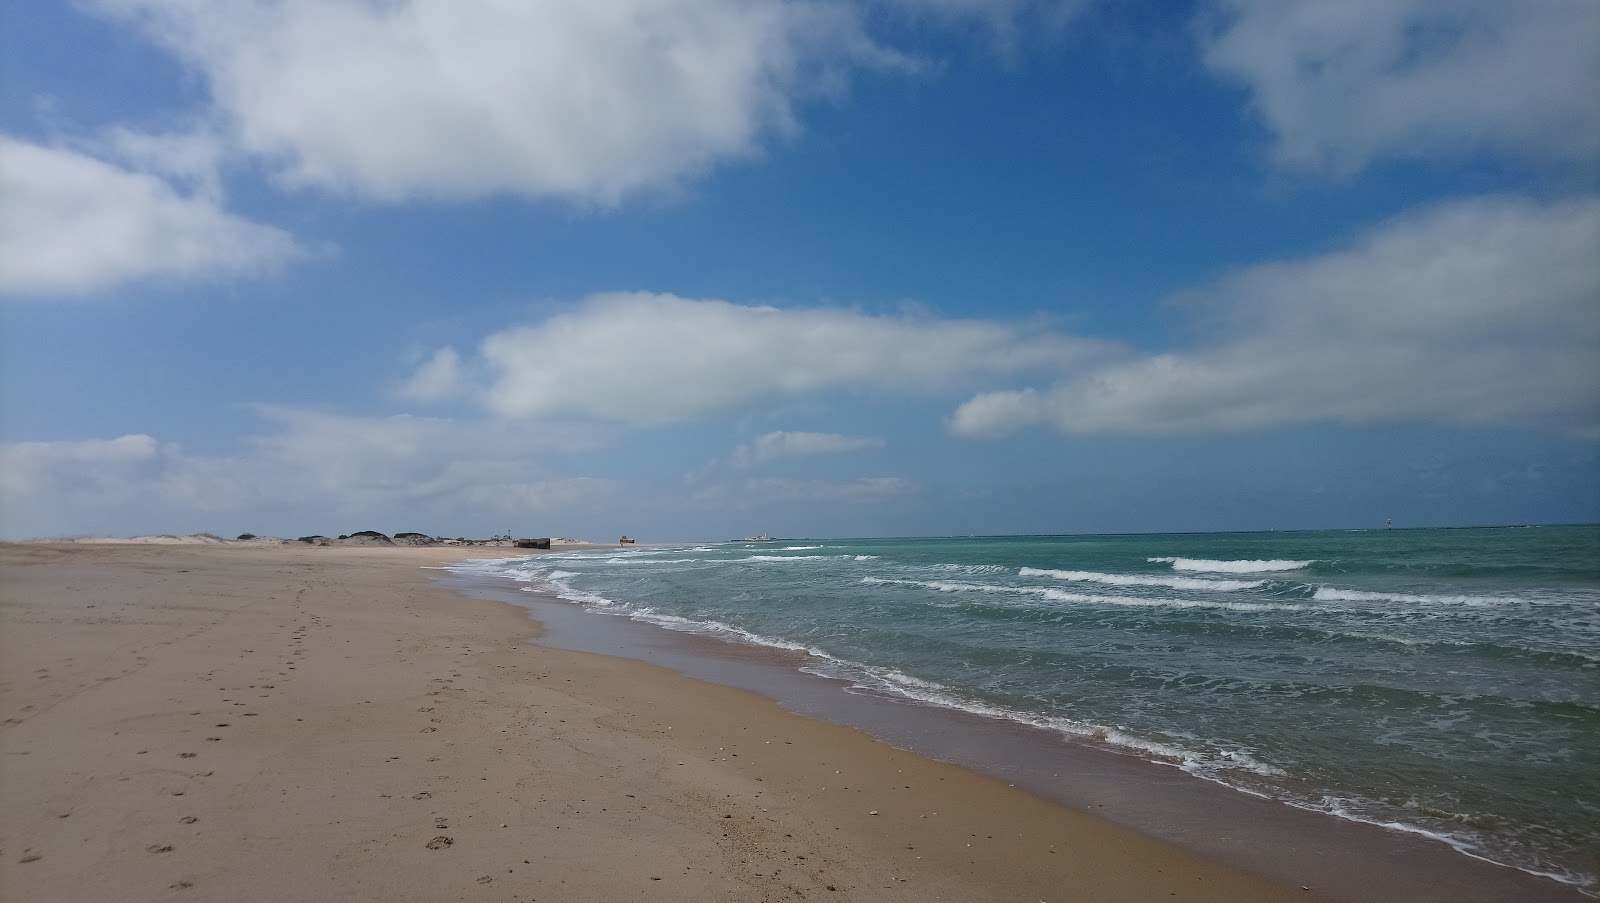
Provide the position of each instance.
(228, 722)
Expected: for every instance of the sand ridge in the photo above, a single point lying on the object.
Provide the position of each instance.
(193, 721)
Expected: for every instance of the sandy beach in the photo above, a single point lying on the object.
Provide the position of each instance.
(228, 722)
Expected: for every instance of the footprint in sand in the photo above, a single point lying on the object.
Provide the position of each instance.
(424, 795)
(159, 848)
(187, 755)
(440, 842)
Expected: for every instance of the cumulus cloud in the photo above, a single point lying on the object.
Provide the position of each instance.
(793, 444)
(1341, 84)
(73, 224)
(1478, 313)
(466, 98)
(650, 359)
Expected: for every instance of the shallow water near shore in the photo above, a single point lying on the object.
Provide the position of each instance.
(1440, 683)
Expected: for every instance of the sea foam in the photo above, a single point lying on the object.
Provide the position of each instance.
(1194, 583)
(1330, 594)
(1055, 595)
(1231, 567)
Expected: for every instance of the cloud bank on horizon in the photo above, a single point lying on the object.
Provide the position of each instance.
(1459, 296)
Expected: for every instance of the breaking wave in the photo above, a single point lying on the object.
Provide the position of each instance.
(1231, 567)
(1193, 583)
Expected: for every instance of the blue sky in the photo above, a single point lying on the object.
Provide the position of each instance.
(702, 268)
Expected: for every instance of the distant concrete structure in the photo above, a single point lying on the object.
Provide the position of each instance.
(543, 543)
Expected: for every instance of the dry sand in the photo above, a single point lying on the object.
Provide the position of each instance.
(235, 722)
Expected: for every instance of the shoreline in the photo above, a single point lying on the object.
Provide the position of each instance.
(363, 714)
(1342, 859)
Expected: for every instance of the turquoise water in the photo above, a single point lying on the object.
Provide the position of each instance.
(1444, 682)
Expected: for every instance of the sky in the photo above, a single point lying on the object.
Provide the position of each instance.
(701, 269)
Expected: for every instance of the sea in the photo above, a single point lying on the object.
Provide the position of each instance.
(1439, 682)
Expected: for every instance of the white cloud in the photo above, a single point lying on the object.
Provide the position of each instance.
(648, 359)
(466, 98)
(589, 101)
(438, 378)
(97, 469)
(321, 469)
(1475, 314)
(191, 158)
(785, 444)
(72, 224)
(1344, 83)
(366, 460)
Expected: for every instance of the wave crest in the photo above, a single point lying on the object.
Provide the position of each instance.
(1195, 583)
(1242, 566)
(1330, 594)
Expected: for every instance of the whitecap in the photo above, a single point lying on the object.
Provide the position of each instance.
(1243, 566)
(1192, 583)
(1056, 595)
(1330, 594)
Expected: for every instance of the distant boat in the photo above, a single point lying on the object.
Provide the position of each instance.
(762, 538)
(626, 540)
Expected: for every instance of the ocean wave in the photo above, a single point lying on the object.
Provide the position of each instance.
(1194, 583)
(946, 586)
(969, 568)
(782, 558)
(892, 682)
(1232, 567)
(1137, 602)
(561, 589)
(1468, 843)
(1056, 595)
(712, 628)
(1330, 594)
